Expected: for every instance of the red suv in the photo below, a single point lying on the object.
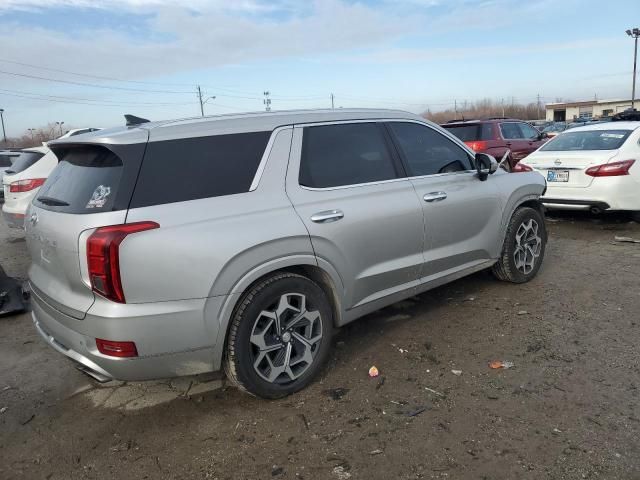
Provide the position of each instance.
(497, 135)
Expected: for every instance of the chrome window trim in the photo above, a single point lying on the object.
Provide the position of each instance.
(265, 156)
(354, 185)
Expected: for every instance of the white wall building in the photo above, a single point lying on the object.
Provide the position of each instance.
(566, 112)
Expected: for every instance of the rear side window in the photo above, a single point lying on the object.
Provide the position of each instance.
(345, 154)
(472, 133)
(428, 152)
(202, 167)
(86, 180)
(24, 161)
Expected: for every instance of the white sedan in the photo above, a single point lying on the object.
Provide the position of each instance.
(595, 167)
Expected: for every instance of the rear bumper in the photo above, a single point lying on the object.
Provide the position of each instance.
(13, 220)
(154, 335)
(605, 193)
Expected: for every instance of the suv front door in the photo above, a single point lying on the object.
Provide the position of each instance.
(532, 136)
(348, 187)
(462, 214)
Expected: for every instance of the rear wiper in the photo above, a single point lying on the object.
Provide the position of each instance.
(53, 201)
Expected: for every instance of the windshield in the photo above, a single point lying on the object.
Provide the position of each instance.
(24, 161)
(587, 140)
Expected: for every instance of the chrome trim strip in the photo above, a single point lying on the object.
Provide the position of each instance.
(342, 187)
(265, 156)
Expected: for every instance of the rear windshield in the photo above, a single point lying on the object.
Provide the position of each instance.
(85, 180)
(471, 133)
(24, 161)
(587, 140)
(5, 160)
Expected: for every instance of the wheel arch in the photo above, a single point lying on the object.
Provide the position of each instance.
(307, 266)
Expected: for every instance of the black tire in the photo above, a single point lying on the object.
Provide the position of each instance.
(241, 352)
(506, 269)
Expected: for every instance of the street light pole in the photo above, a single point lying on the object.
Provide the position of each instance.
(635, 33)
(60, 125)
(4, 133)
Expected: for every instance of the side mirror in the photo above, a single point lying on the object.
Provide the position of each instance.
(486, 165)
(543, 135)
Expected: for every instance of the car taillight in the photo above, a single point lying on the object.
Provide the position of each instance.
(116, 349)
(521, 167)
(103, 257)
(477, 146)
(26, 185)
(613, 169)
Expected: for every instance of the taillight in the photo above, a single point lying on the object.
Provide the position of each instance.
(477, 146)
(116, 349)
(521, 167)
(26, 185)
(613, 169)
(103, 257)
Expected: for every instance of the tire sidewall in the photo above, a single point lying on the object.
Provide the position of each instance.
(245, 372)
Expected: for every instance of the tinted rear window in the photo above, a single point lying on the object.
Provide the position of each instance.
(588, 140)
(5, 161)
(86, 180)
(203, 167)
(24, 161)
(471, 133)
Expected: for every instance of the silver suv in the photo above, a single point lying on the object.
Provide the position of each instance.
(181, 247)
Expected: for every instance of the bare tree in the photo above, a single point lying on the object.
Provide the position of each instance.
(35, 137)
(485, 108)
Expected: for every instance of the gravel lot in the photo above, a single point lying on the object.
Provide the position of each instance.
(569, 408)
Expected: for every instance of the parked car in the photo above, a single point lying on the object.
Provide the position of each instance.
(7, 157)
(22, 182)
(271, 230)
(594, 167)
(79, 131)
(555, 129)
(497, 136)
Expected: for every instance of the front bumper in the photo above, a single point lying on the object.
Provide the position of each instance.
(153, 334)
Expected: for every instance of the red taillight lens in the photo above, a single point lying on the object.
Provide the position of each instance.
(116, 349)
(103, 257)
(26, 185)
(477, 146)
(521, 167)
(613, 169)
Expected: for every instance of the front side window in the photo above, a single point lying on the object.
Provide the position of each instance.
(529, 132)
(428, 152)
(587, 140)
(345, 154)
(511, 131)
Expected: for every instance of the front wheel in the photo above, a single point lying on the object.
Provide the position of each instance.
(524, 247)
(280, 336)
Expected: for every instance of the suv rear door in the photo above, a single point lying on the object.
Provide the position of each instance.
(348, 187)
(90, 187)
(461, 213)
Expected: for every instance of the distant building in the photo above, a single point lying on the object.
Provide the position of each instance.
(566, 112)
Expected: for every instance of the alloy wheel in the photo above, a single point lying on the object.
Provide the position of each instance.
(528, 246)
(285, 339)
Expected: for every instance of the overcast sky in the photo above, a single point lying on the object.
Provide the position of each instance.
(146, 56)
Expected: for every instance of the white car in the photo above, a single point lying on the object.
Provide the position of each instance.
(7, 157)
(595, 167)
(22, 182)
(78, 131)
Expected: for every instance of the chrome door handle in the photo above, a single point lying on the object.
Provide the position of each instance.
(327, 216)
(434, 197)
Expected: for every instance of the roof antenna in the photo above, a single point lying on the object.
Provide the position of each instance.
(132, 120)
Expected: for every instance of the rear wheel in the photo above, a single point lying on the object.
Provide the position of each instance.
(279, 337)
(524, 247)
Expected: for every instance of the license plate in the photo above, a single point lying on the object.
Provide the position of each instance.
(558, 176)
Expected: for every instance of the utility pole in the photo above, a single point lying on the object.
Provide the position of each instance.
(31, 130)
(455, 107)
(201, 102)
(635, 33)
(267, 101)
(4, 134)
(332, 99)
(60, 125)
(502, 102)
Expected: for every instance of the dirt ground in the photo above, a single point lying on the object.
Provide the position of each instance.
(568, 409)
